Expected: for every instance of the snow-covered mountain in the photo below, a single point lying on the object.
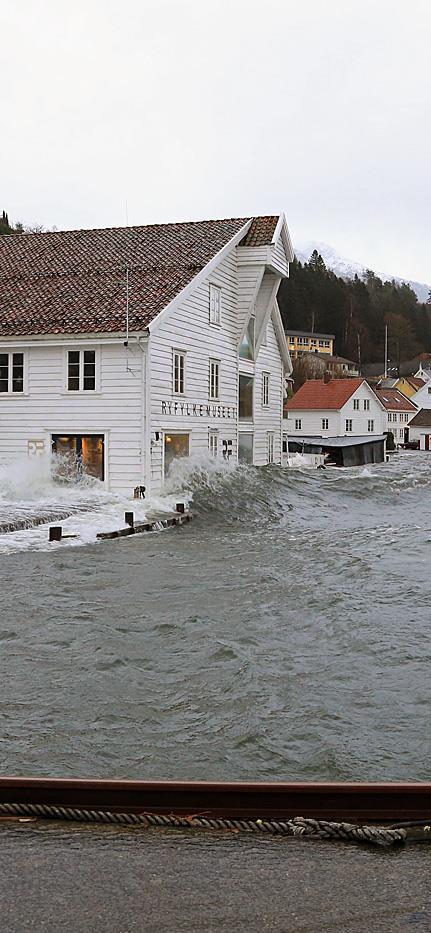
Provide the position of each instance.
(348, 268)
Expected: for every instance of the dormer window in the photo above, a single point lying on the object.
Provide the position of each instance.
(215, 305)
(246, 350)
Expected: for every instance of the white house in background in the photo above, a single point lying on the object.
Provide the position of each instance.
(125, 348)
(334, 408)
(399, 410)
(422, 398)
(419, 428)
(341, 417)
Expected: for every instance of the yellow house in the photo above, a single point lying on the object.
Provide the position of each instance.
(409, 385)
(302, 342)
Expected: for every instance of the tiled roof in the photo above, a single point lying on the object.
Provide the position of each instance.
(315, 394)
(394, 400)
(261, 231)
(74, 281)
(415, 381)
(422, 419)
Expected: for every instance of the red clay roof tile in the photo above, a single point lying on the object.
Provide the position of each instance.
(74, 281)
(317, 395)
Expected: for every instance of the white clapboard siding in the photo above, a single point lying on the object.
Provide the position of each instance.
(279, 261)
(47, 408)
(268, 419)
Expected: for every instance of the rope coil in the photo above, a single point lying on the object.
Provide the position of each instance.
(298, 826)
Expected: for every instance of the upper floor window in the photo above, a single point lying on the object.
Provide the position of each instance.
(371, 425)
(214, 379)
(179, 371)
(81, 370)
(349, 424)
(265, 389)
(325, 424)
(11, 372)
(366, 404)
(298, 424)
(215, 304)
(356, 404)
(246, 350)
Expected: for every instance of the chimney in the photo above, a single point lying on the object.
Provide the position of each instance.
(327, 377)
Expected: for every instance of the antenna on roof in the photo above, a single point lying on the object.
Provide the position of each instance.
(127, 306)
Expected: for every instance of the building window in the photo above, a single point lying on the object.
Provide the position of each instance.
(245, 401)
(389, 416)
(349, 424)
(356, 404)
(179, 368)
(265, 389)
(215, 305)
(366, 404)
(246, 349)
(270, 448)
(325, 424)
(81, 370)
(213, 444)
(371, 425)
(11, 372)
(298, 424)
(214, 376)
(284, 445)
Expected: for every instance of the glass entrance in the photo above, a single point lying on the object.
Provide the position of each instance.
(80, 454)
(176, 445)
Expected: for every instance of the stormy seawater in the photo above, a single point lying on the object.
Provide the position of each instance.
(283, 634)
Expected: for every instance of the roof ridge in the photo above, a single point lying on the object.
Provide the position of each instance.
(174, 223)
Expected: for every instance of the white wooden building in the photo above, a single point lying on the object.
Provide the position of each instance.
(334, 408)
(419, 429)
(127, 347)
(399, 411)
(341, 417)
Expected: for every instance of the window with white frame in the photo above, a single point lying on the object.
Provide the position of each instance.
(298, 424)
(179, 372)
(356, 404)
(270, 447)
(325, 424)
(349, 424)
(265, 389)
(371, 425)
(81, 370)
(213, 443)
(215, 304)
(11, 372)
(214, 378)
(366, 404)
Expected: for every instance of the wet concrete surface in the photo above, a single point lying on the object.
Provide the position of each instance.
(61, 878)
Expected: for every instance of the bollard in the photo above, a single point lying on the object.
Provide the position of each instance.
(55, 533)
(129, 518)
(180, 507)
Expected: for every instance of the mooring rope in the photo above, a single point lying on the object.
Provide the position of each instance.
(299, 826)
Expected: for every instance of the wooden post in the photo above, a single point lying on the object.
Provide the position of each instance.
(180, 507)
(129, 518)
(55, 533)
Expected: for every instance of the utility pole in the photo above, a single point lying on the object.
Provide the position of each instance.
(386, 351)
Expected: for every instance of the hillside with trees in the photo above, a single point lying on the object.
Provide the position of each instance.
(356, 311)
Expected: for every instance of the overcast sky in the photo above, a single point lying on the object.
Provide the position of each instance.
(188, 109)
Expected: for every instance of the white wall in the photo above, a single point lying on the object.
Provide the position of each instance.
(47, 408)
